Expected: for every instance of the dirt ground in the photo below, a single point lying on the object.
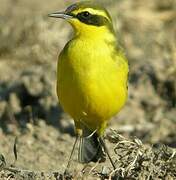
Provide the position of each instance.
(141, 138)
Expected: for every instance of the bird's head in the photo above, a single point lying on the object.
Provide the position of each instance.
(87, 18)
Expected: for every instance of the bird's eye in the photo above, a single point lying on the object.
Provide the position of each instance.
(86, 14)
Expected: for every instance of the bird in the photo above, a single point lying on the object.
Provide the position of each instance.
(92, 77)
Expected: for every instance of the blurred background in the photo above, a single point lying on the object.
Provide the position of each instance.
(30, 43)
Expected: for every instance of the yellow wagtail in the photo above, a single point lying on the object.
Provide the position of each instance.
(92, 76)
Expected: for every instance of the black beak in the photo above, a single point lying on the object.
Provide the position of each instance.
(62, 15)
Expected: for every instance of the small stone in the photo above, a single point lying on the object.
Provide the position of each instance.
(30, 127)
(14, 103)
(105, 170)
(41, 123)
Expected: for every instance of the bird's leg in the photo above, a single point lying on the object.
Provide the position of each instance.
(106, 151)
(71, 154)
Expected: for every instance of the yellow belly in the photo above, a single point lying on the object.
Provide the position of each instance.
(91, 87)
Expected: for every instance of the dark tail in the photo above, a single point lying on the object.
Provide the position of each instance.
(90, 149)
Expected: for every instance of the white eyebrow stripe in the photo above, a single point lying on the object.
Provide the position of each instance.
(93, 11)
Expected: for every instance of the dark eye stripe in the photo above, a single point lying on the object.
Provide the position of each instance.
(86, 14)
(92, 19)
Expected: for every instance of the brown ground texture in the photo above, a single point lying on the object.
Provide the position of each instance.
(36, 136)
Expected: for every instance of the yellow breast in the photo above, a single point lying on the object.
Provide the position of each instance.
(92, 80)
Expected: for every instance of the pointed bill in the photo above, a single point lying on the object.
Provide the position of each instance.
(62, 15)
